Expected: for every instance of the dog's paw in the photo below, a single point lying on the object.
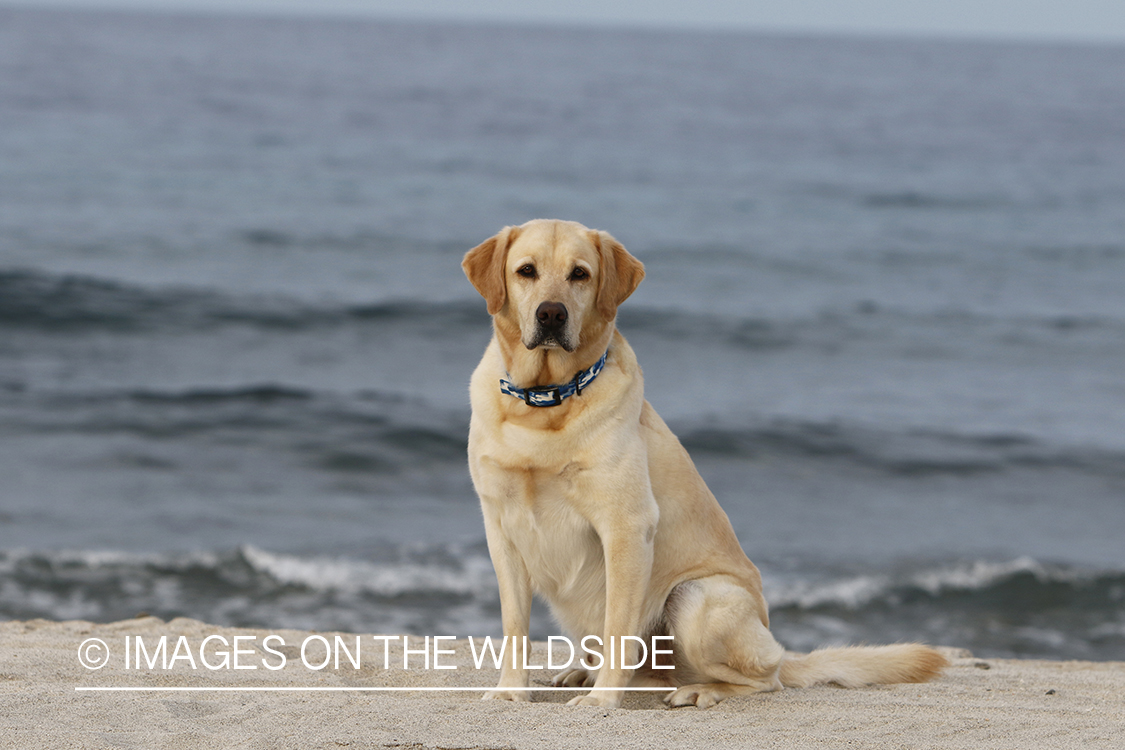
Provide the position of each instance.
(574, 678)
(598, 698)
(702, 696)
(502, 694)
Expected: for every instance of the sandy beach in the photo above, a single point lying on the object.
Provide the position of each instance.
(977, 703)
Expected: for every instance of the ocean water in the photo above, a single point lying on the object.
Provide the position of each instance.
(884, 311)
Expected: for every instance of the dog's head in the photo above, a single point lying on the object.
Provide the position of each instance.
(557, 282)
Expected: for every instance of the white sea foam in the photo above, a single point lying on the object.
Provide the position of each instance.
(857, 591)
(472, 576)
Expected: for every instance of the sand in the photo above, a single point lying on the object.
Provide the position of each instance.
(977, 703)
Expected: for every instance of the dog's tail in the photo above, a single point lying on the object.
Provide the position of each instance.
(855, 666)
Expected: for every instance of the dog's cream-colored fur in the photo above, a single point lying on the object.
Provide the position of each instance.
(594, 504)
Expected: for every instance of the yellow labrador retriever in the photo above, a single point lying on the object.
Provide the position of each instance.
(590, 501)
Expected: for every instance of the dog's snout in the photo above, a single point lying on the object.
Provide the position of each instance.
(551, 314)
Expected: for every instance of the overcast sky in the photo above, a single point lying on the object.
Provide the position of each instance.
(1095, 20)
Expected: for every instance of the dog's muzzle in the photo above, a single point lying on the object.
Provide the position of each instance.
(550, 327)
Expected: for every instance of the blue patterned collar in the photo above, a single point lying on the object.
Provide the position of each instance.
(553, 395)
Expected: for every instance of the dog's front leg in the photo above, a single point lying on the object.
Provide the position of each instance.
(628, 566)
(515, 612)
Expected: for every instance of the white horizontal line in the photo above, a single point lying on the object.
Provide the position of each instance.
(353, 689)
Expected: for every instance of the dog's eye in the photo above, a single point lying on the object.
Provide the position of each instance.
(578, 274)
(528, 271)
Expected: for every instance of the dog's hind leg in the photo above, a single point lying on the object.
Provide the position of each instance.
(723, 647)
(721, 642)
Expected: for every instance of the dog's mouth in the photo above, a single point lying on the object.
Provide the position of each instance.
(545, 338)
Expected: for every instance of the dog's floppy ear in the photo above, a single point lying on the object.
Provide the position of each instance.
(621, 273)
(484, 265)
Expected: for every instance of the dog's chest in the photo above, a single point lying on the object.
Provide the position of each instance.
(538, 515)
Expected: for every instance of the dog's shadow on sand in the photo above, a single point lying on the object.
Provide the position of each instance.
(638, 701)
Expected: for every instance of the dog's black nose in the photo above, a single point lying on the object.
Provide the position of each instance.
(551, 314)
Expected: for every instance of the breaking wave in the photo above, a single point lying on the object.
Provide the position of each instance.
(1019, 607)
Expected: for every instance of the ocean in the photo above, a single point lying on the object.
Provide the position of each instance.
(884, 311)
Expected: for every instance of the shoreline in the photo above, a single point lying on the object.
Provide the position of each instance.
(269, 695)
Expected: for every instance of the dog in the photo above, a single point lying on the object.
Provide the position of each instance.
(591, 502)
